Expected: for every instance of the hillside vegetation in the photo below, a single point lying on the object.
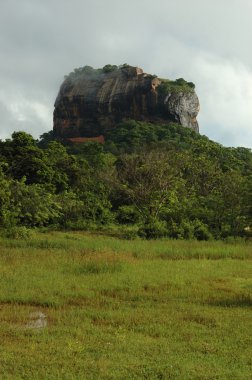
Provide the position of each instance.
(147, 180)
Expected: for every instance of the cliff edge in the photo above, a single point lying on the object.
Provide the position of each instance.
(92, 101)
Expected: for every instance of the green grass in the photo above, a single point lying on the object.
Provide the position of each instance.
(119, 309)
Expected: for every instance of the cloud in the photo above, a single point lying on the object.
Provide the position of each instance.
(206, 42)
(225, 90)
(21, 113)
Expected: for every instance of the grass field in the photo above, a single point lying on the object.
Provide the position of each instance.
(118, 309)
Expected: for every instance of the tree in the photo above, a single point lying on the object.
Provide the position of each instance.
(63, 166)
(32, 205)
(148, 179)
(25, 159)
(5, 196)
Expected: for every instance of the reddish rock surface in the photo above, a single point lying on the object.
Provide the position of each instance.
(91, 102)
(79, 140)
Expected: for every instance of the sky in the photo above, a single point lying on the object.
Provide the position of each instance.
(207, 42)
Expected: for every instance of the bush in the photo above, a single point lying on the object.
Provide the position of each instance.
(176, 230)
(127, 215)
(130, 233)
(187, 229)
(191, 84)
(18, 233)
(109, 68)
(153, 229)
(201, 231)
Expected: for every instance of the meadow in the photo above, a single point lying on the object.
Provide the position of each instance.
(124, 309)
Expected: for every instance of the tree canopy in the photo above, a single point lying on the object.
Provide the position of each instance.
(157, 180)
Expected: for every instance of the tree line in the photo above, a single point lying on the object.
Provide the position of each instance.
(149, 180)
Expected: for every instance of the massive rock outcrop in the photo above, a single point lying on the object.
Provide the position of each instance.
(91, 102)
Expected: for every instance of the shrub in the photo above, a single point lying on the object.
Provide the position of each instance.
(188, 229)
(175, 230)
(21, 232)
(127, 215)
(153, 229)
(201, 231)
(109, 68)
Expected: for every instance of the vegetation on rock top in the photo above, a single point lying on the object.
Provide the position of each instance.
(179, 85)
(166, 86)
(90, 71)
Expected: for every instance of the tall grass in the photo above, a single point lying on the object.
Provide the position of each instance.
(119, 309)
(163, 248)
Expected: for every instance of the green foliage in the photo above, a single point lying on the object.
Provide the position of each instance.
(124, 65)
(179, 85)
(22, 140)
(201, 231)
(153, 229)
(25, 159)
(130, 136)
(147, 180)
(71, 207)
(154, 180)
(63, 166)
(18, 233)
(127, 214)
(89, 71)
(32, 206)
(92, 152)
(109, 68)
(46, 138)
(82, 71)
(5, 198)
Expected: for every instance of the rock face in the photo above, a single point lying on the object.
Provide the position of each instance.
(91, 102)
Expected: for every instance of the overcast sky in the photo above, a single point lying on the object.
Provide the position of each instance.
(207, 42)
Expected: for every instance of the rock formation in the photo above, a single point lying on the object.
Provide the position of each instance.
(91, 102)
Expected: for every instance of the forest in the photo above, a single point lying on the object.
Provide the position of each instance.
(147, 181)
